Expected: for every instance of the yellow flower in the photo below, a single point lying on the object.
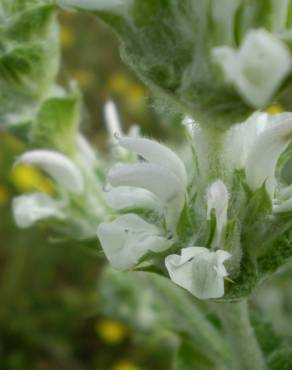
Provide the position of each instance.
(274, 109)
(125, 365)
(111, 331)
(136, 95)
(118, 83)
(26, 178)
(66, 37)
(84, 78)
(4, 195)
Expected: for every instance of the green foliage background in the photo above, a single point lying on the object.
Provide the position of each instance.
(53, 292)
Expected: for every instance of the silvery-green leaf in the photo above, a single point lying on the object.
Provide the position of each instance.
(61, 168)
(199, 271)
(169, 45)
(55, 126)
(28, 209)
(128, 238)
(29, 58)
(258, 68)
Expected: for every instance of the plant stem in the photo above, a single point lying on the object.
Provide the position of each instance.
(241, 336)
(197, 325)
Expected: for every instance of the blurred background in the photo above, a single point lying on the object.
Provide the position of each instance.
(55, 312)
(51, 316)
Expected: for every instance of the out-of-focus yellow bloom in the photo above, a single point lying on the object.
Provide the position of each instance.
(125, 365)
(111, 331)
(26, 178)
(4, 195)
(136, 95)
(85, 78)
(66, 37)
(274, 109)
(119, 83)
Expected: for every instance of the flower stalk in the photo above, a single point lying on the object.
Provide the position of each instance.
(243, 343)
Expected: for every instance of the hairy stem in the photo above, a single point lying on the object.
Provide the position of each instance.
(247, 354)
(196, 325)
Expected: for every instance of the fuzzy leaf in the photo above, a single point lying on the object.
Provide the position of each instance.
(189, 357)
(168, 43)
(56, 124)
(281, 359)
(29, 57)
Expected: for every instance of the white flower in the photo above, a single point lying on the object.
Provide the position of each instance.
(264, 154)
(28, 209)
(128, 238)
(199, 271)
(256, 146)
(286, 206)
(112, 121)
(258, 68)
(217, 199)
(62, 169)
(163, 174)
(241, 137)
(125, 197)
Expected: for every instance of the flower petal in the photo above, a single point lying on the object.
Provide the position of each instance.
(241, 137)
(258, 68)
(124, 197)
(156, 153)
(62, 169)
(156, 179)
(128, 238)
(217, 199)
(199, 271)
(28, 209)
(264, 154)
(286, 206)
(112, 120)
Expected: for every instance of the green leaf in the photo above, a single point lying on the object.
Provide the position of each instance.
(29, 58)
(269, 341)
(189, 357)
(243, 284)
(259, 206)
(281, 359)
(56, 123)
(279, 253)
(169, 45)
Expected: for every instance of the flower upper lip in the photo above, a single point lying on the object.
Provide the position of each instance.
(163, 174)
(61, 168)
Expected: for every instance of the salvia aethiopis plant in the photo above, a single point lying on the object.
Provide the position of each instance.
(212, 214)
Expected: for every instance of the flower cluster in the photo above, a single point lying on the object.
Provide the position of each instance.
(159, 183)
(155, 194)
(77, 204)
